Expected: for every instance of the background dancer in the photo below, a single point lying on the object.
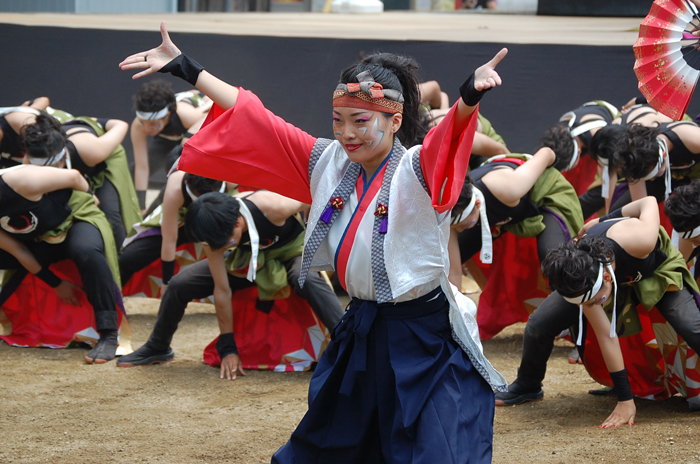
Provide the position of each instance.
(254, 240)
(170, 119)
(622, 260)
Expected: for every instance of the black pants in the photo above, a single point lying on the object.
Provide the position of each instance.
(143, 251)
(550, 238)
(556, 314)
(196, 282)
(110, 205)
(84, 246)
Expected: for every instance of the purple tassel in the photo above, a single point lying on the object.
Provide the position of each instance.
(327, 214)
(384, 225)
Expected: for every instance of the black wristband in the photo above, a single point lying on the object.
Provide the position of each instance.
(612, 215)
(141, 196)
(226, 345)
(103, 122)
(168, 268)
(640, 100)
(51, 279)
(468, 92)
(622, 385)
(184, 67)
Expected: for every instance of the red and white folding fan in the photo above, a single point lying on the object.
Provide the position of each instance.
(668, 56)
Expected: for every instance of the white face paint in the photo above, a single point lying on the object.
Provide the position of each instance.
(376, 135)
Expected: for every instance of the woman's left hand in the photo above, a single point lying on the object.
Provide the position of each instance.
(486, 77)
(623, 413)
(154, 59)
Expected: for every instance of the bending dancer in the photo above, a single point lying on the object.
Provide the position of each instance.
(265, 238)
(12, 119)
(526, 196)
(146, 245)
(393, 385)
(46, 217)
(623, 259)
(683, 210)
(654, 160)
(170, 119)
(93, 147)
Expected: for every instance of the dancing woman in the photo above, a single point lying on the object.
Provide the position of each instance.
(393, 385)
(622, 260)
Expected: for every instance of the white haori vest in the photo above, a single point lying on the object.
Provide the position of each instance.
(412, 252)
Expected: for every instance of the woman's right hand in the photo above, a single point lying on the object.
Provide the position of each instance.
(623, 413)
(587, 226)
(154, 59)
(66, 292)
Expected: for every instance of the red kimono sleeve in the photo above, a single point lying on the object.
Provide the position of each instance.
(444, 158)
(249, 145)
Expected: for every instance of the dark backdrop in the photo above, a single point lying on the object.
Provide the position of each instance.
(630, 8)
(295, 77)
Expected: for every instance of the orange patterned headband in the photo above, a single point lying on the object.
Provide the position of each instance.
(368, 95)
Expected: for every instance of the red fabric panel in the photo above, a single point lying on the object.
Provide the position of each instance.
(515, 285)
(36, 316)
(289, 338)
(652, 371)
(445, 156)
(248, 144)
(583, 175)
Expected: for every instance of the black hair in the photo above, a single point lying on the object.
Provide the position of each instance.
(604, 142)
(683, 207)
(465, 197)
(396, 72)
(559, 139)
(43, 139)
(154, 96)
(637, 152)
(200, 185)
(211, 219)
(570, 268)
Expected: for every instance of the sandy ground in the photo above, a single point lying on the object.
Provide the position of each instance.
(57, 409)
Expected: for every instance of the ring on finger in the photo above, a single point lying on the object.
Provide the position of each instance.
(145, 58)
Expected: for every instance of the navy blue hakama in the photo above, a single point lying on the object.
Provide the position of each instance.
(394, 387)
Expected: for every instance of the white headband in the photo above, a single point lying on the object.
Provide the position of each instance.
(486, 254)
(605, 189)
(663, 148)
(590, 294)
(574, 157)
(194, 197)
(51, 160)
(465, 212)
(675, 235)
(586, 126)
(154, 115)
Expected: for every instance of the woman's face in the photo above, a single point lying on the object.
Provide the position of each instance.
(154, 127)
(367, 136)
